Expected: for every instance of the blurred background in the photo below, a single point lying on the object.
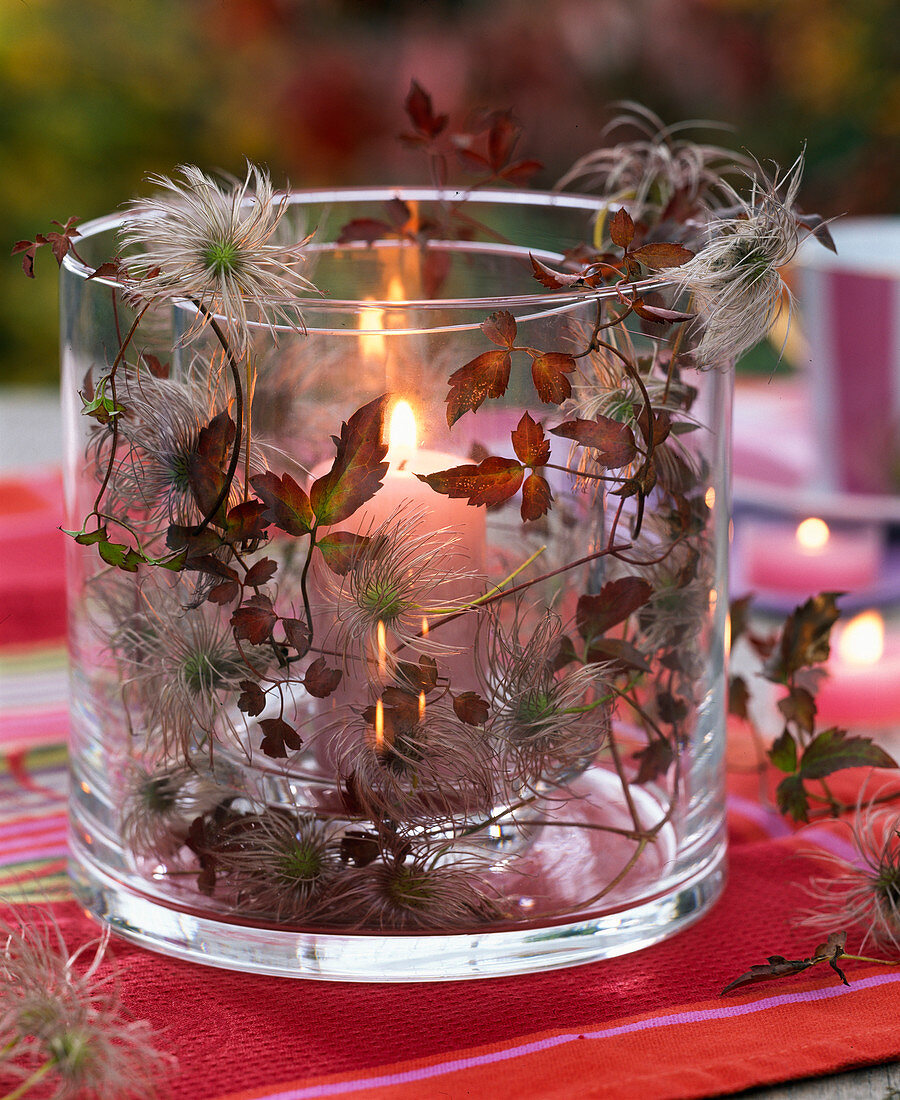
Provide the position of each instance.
(98, 93)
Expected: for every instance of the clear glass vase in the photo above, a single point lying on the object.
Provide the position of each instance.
(398, 642)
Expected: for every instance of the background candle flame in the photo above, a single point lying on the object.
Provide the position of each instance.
(813, 533)
(862, 639)
(402, 434)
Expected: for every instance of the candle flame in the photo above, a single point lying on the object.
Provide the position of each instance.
(381, 635)
(379, 726)
(424, 626)
(813, 534)
(862, 639)
(421, 705)
(402, 432)
(710, 498)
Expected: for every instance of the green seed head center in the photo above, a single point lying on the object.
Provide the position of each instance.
(221, 257)
(301, 864)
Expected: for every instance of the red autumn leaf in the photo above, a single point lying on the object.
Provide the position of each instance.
(421, 112)
(112, 269)
(209, 563)
(287, 503)
(470, 708)
(619, 655)
(278, 737)
(613, 440)
(246, 520)
(492, 481)
(358, 848)
(365, 229)
(224, 593)
(621, 228)
(612, 605)
(553, 280)
(531, 446)
(521, 171)
(662, 254)
(658, 313)
(502, 139)
(485, 376)
(297, 633)
(654, 759)
(358, 467)
(28, 250)
(417, 677)
(261, 572)
(252, 699)
(254, 620)
(216, 439)
(197, 547)
(320, 680)
(500, 328)
(536, 497)
(549, 374)
(340, 549)
(156, 368)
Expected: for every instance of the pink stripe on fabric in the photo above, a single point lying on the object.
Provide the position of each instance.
(27, 855)
(769, 821)
(725, 1012)
(824, 838)
(28, 829)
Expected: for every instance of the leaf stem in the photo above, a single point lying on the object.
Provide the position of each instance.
(28, 1084)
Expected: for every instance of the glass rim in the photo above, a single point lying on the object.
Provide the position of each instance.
(548, 301)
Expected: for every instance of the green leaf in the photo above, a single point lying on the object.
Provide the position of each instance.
(121, 556)
(358, 468)
(833, 750)
(783, 752)
(791, 798)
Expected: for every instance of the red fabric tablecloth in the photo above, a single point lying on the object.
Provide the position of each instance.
(649, 1025)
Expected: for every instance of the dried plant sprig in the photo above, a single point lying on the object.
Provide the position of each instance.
(546, 723)
(414, 892)
(403, 575)
(659, 173)
(863, 893)
(219, 245)
(160, 803)
(735, 280)
(277, 863)
(61, 1023)
(181, 666)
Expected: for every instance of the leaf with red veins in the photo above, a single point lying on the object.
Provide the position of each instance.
(662, 254)
(548, 371)
(261, 572)
(621, 228)
(287, 503)
(659, 314)
(470, 708)
(529, 442)
(500, 328)
(358, 468)
(246, 521)
(254, 620)
(252, 699)
(278, 737)
(611, 441)
(493, 481)
(320, 680)
(536, 497)
(298, 636)
(615, 601)
(421, 112)
(485, 376)
(340, 549)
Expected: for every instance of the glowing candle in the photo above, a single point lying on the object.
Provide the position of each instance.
(863, 686)
(810, 558)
